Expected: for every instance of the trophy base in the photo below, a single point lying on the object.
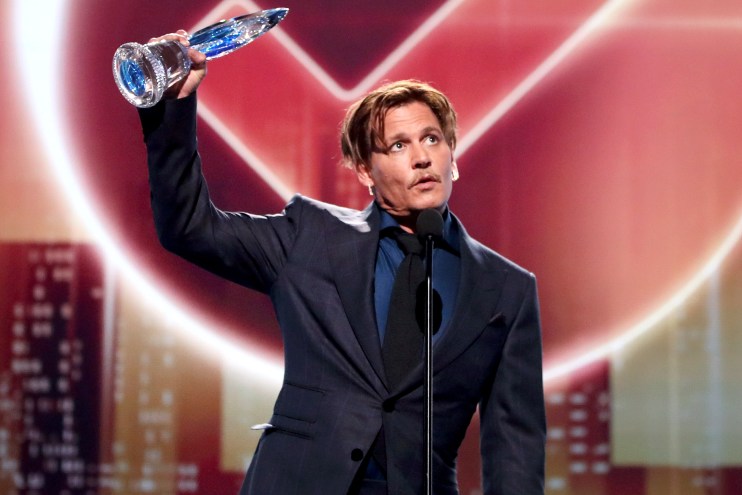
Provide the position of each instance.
(144, 72)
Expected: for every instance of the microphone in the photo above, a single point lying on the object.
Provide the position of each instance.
(429, 229)
(430, 224)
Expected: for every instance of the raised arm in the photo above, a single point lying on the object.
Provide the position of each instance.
(247, 249)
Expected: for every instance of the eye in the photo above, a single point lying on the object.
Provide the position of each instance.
(433, 138)
(398, 146)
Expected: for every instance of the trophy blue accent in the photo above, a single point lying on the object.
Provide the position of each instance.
(144, 72)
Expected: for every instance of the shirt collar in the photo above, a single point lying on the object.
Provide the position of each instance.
(450, 230)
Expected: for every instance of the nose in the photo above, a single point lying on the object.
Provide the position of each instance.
(420, 157)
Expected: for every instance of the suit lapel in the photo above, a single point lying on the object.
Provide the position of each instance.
(479, 290)
(354, 241)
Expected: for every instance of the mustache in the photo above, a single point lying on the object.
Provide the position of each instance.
(424, 177)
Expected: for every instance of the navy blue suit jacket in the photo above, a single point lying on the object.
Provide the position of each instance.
(316, 261)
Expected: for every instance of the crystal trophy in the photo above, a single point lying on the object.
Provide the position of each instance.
(144, 72)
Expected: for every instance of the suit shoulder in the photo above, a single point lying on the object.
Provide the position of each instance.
(321, 206)
(314, 208)
(490, 257)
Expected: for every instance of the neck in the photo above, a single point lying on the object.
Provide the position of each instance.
(408, 222)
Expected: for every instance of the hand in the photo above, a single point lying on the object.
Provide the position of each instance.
(190, 83)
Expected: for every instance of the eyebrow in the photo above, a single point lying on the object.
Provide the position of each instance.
(401, 136)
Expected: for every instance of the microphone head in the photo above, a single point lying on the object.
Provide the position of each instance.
(430, 224)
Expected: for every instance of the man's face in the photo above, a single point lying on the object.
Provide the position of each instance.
(413, 170)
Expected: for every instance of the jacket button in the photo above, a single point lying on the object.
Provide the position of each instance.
(388, 405)
(356, 455)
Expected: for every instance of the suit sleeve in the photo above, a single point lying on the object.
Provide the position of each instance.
(512, 414)
(244, 248)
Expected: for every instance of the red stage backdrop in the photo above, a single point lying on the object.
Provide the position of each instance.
(598, 148)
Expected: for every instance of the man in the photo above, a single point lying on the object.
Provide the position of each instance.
(345, 422)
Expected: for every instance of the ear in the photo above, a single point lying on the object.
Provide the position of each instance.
(454, 171)
(364, 175)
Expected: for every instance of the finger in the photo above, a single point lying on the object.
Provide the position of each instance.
(197, 58)
(180, 37)
(183, 37)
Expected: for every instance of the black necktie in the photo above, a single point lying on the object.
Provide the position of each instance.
(403, 338)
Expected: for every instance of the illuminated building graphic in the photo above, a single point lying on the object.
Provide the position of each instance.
(598, 148)
(51, 357)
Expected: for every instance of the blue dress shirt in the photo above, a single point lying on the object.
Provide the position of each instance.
(446, 270)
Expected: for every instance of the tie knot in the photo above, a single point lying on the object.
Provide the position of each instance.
(409, 243)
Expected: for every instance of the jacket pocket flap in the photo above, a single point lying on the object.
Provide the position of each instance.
(298, 402)
(293, 426)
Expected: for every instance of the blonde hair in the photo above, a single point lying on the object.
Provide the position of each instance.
(362, 130)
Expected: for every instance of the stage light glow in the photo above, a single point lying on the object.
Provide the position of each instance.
(40, 66)
(244, 152)
(654, 318)
(599, 19)
(315, 70)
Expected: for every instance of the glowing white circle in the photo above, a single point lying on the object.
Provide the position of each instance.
(39, 65)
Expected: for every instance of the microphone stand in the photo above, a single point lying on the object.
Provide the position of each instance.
(429, 227)
(428, 366)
